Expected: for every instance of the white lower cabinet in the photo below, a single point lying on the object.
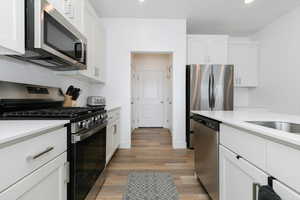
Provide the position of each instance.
(246, 159)
(112, 134)
(238, 177)
(284, 192)
(48, 183)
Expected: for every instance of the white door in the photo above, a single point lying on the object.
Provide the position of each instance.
(12, 36)
(151, 98)
(47, 183)
(169, 102)
(134, 91)
(237, 177)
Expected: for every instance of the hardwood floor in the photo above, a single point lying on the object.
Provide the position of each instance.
(152, 150)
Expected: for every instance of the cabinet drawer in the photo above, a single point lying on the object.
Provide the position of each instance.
(18, 160)
(113, 115)
(283, 163)
(250, 147)
(284, 192)
(46, 183)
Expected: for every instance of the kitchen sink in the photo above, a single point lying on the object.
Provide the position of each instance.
(282, 126)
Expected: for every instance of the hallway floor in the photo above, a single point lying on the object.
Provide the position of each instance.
(152, 150)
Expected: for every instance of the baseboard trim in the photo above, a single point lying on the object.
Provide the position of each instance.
(125, 145)
(179, 145)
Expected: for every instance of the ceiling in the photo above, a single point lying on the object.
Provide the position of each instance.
(203, 16)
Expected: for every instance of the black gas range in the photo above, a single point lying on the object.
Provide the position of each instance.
(86, 130)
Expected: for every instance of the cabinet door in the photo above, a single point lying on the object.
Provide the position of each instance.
(116, 135)
(218, 50)
(47, 183)
(109, 142)
(197, 50)
(284, 192)
(89, 29)
(238, 177)
(12, 20)
(72, 10)
(99, 71)
(244, 56)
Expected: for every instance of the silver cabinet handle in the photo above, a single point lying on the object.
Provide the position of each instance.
(67, 165)
(40, 154)
(254, 189)
(115, 129)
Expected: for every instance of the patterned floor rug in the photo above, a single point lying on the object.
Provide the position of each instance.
(150, 186)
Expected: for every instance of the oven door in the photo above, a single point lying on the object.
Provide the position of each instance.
(54, 34)
(88, 159)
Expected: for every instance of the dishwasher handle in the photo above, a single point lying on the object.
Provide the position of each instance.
(215, 125)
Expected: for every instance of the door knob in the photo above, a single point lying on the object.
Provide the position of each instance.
(161, 102)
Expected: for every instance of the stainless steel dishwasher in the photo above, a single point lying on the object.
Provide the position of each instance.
(206, 145)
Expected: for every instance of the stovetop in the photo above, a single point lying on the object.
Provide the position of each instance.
(53, 113)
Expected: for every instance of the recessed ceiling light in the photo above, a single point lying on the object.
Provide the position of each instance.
(249, 1)
(142, 1)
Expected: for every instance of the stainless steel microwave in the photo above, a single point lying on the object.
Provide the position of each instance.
(51, 40)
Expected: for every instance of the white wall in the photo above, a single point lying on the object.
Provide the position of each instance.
(126, 35)
(22, 72)
(279, 81)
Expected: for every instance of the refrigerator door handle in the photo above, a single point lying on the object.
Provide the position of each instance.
(210, 92)
(213, 97)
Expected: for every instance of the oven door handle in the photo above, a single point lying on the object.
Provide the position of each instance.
(80, 137)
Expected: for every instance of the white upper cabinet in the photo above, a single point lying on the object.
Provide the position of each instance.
(100, 52)
(95, 33)
(244, 56)
(12, 20)
(89, 31)
(71, 10)
(207, 49)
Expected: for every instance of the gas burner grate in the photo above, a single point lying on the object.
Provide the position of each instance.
(53, 113)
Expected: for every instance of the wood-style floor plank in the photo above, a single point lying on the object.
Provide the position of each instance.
(152, 151)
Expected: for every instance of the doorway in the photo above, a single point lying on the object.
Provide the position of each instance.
(151, 90)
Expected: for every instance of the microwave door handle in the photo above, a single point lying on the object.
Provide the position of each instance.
(82, 52)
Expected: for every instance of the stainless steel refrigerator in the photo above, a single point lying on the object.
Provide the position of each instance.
(209, 87)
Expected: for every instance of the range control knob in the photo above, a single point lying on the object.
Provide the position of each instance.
(87, 124)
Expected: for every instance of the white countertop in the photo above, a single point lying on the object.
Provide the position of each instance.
(11, 130)
(239, 118)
